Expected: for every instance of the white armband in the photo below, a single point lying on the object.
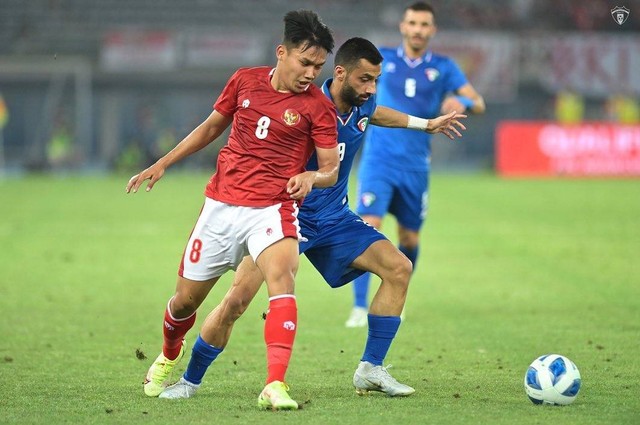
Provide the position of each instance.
(416, 123)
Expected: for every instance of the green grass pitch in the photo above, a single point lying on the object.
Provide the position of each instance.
(508, 270)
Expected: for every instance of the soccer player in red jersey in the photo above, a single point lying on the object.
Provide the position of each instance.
(278, 119)
(337, 242)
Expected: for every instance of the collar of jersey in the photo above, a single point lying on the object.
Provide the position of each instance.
(412, 63)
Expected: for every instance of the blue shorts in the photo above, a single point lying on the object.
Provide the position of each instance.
(401, 193)
(333, 245)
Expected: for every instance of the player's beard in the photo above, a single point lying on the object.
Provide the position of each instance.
(351, 97)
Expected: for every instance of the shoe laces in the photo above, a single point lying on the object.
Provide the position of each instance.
(383, 372)
(279, 392)
(282, 386)
(166, 365)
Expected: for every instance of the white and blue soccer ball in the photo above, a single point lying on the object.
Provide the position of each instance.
(552, 379)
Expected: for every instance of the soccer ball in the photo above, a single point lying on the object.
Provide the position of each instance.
(552, 379)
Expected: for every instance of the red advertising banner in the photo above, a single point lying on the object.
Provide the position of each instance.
(538, 148)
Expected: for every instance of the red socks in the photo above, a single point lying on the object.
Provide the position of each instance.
(279, 333)
(174, 331)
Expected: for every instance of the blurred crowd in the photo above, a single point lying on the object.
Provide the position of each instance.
(621, 107)
(533, 15)
(78, 27)
(148, 120)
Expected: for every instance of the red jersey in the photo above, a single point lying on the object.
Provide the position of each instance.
(272, 137)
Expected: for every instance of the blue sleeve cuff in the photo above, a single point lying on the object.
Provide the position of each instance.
(468, 103)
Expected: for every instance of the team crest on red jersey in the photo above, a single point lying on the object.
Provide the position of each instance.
(291, 117)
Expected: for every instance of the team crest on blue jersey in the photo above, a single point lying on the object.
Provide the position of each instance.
(432, 74)
(291, 117)
(368, 199)
(390, 67)
(362, 124)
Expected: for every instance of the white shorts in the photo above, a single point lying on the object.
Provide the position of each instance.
(224, 234)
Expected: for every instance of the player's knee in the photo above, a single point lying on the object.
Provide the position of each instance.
(184, 305)
(281, 282)
(399, 271)
(408, 238)
(404, 269)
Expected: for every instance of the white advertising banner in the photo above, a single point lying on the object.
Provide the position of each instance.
(138, 50)
(205, 49)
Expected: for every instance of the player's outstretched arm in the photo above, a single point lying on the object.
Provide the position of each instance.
(200, 137)
(448, 124)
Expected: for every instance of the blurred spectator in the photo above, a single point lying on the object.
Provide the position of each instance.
(589, 15)
(165, 141)
(141, 148)
(569, 107)
(59, 148)
(4, 113)
(623, 108)
(130, 158)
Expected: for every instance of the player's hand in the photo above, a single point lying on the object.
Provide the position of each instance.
(300, 185)
(450, 104)
(153, 174)
(448, 124)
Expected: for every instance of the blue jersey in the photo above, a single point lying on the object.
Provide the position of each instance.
(416, 87)
(334, 236)
(328, 203)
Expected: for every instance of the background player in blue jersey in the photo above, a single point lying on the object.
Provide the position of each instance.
(336, 241)
(419, 82)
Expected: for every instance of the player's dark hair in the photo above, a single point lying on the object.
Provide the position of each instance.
(354, 49)
(304, 29)
(420, 6)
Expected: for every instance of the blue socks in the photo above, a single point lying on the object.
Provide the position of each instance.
(360, 290)
(202, 355)
(412, 254)
(382, 330)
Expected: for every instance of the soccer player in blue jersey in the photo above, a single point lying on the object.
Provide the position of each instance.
(336, 241)
(419, 82)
